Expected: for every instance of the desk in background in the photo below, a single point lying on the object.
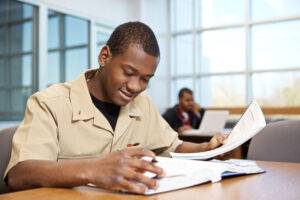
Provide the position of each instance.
(238, 153)
(281, 181)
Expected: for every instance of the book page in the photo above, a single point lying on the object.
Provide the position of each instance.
(185, 173)
(182, 173)
(251, 122)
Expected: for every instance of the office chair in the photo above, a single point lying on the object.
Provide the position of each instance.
(6, 136)
(278, 141)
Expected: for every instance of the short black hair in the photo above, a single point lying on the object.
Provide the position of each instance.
(184, 90)
(136, 33)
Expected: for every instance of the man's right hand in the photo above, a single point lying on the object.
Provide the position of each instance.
(123, 171)
(184, 128)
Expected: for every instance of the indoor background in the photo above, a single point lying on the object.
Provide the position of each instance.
(228, 51)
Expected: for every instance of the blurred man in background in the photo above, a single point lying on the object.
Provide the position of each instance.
(186, 114)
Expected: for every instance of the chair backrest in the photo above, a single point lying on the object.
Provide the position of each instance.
(278, 141)
(6, 136)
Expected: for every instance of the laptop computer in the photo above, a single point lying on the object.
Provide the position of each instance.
(212, 122)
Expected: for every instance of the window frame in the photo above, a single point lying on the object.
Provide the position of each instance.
(247, 24)
(8, 56)
(62, 47)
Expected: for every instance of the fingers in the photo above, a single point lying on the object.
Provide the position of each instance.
(216, 141)
(143, 165)
(220, 138)
(121, 184)
(133, 181)
(138, 152)
(140, 178)
(184, 128)
(131, 167)
(123, 171)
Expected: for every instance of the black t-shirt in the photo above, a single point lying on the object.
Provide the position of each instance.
(109, 110)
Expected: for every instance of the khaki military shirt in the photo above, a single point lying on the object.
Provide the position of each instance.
(61, 122)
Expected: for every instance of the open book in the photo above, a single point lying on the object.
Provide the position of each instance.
(185, 173)
(251, 122)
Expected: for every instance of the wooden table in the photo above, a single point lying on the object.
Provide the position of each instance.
(281, 181)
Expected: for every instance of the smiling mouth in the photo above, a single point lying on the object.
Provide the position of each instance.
(127, 95)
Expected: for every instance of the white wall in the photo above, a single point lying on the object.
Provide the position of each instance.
(104, 11)
(155, 14)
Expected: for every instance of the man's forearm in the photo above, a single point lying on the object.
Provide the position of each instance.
(38, 173)
(189, 147)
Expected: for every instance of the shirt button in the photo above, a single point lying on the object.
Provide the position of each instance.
(79, 112)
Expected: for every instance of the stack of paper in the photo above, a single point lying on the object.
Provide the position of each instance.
(251, 122)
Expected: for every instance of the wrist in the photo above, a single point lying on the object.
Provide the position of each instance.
(84, 174)
(204, 146)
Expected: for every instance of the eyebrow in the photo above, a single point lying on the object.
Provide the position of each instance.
(136, 70)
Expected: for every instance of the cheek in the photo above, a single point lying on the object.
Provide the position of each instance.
(117, 82)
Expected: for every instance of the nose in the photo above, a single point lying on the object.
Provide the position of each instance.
(134, 85)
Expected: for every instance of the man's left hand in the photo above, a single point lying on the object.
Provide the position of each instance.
(216, 141)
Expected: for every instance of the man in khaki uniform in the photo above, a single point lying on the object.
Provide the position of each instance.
(96, 128)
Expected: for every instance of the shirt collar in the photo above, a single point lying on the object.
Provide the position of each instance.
(82, 105)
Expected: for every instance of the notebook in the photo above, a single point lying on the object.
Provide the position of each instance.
(212, 122)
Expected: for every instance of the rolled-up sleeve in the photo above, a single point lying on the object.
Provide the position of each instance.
(36, 137)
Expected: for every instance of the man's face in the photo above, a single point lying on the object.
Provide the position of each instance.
(126, 75)
(186, 102)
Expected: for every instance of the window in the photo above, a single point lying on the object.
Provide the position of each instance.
(68, 42)
(102, 34)
(232, 51)
(17, 57)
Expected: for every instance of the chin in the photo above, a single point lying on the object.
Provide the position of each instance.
(120, 102)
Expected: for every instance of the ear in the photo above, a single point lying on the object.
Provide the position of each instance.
(104, 56)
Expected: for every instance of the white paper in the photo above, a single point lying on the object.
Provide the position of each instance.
(185, 173)
(182, 173)
(251, 122)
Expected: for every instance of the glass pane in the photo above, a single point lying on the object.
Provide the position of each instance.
(277, 89)
(52, 13)
(163, 69)
(161, 96)
(223, 50)
(184, 54)
(76, 62)
(76, 31)
(19, 99)
(216, 12)
(262, 9)
(102, 39)
(21, 37)
(21, 71)
(173, 56)
(176, 85)
(227, 90)
(4, 101)
(19, 11)
(53, 32)
(3, 10)
(181, 14)
(4, 81)
(53, 67)
(276, 45)
(3, 34)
